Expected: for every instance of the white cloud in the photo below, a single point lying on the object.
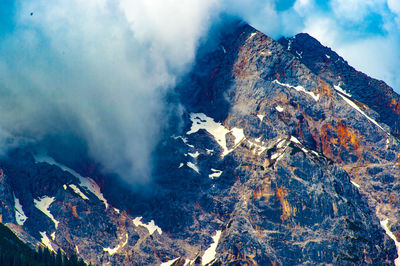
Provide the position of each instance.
(99, 69)
(394, 5)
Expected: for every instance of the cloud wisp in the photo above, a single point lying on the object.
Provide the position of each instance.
(99, 69)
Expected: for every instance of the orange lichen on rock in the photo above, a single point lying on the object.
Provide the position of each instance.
(287, 210)
(395, 106)
(262, 191)
(73, 209)
(344, 137)
(324, 88)
(74, 213)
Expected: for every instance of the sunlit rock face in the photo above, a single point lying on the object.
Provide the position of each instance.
(281, 156)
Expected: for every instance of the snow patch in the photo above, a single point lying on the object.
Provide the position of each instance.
(339, 89)
(300, 55)
(209, 151)
(261, 117)
(169, 263)
(352, 104)
(85, 182)
(252, 35)
(53, 235)
(193, 166)
(327, 56)
(92, 186)
(217, 173)
(188, 262)
(180, 165)
(299, 88)
(65, 187)
(217, 130)
(280, 142)
(43, 205)
(209, 254)
(279, 109)
(295, 140)
(238, 134)
(78, 191)
(112, 251)
(384, 224)
(258, 148)
(46, 241)
(355, 184)
(290, 45)
(20, 216)
(185, 140)
(117, 210)
(194, 155)
(151, 227)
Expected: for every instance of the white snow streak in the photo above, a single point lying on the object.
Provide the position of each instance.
(295, 140)
(86, 182)
(355, 184)
(252, 35)
(169, 263)
(46, 241)
(238, 134)
(261, 117)
(279, 109)
(299, 88)
(339, 89)
(217, 130)
(112, 251)
(217, 173)
(193, 166)
(384, 224)
(43, 205)
(194, 155)
(20, 216)
(78, 191)
(352, 104)
(151, 227)
(209, 254)
(258, 149)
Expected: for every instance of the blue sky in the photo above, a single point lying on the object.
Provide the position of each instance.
(365, 32)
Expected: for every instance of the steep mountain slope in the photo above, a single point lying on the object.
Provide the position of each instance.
(271, 163)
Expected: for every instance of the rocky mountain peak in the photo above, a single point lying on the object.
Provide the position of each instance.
(279, 157)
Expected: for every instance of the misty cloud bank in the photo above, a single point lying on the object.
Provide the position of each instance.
(100, 68)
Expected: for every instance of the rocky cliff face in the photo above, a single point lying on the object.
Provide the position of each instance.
(283, 156)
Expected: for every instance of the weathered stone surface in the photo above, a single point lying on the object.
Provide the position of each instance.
(257, 171)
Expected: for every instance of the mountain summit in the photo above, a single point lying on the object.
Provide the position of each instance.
(284, 155)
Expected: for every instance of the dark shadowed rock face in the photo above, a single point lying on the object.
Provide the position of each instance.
(271, 164)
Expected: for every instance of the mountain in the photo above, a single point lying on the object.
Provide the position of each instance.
(283, 155)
